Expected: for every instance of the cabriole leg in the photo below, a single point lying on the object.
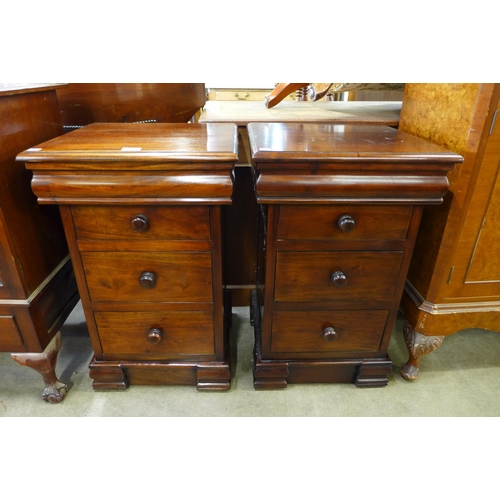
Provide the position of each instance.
(418, 345)
(45, 363)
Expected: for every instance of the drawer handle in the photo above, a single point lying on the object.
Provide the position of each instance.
(339, 278)
(346, 223)
(147, 280)
(154, 336)
(140, 223)
(329, 333)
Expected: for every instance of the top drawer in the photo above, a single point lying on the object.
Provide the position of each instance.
(141, 222)
(328, 222)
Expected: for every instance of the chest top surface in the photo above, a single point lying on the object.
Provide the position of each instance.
(113, 144)
(341, 143)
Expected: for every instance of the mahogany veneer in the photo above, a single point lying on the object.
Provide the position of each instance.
(37, 283)
(340, 209)
(141, 207)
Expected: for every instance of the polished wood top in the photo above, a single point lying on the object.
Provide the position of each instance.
(245, 112)
(115, 143)
(341, 143)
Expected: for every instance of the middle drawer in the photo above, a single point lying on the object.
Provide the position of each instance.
(149, 276)
(339, 276)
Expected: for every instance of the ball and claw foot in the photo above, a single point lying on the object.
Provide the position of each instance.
(418, 345)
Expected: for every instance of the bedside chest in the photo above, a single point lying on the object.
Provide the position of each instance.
(340, 208)
(141, 207)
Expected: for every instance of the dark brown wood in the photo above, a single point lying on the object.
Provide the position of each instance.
(453, 279)
(86, 103)
(37, 284)
(336, 252)
(240, 218)
(147, 254)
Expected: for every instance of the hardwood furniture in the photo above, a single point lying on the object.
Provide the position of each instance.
(141, 207)
(240, 218)
(37, 284)
(341, 205)
(86, 103)
(454, 276)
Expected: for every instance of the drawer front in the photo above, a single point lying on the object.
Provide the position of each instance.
(156, 334)
(148, 276)
(141, 223)
(343, 222)
(316, 276)
(325, 332)
(10, 336)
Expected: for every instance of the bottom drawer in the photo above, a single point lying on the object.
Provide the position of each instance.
(10, 337)
(157, 335)
(327, 332)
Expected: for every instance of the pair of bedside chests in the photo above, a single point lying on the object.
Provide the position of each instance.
(141, 206)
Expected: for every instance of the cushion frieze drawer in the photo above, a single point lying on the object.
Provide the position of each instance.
(157, 335)
(141, 222)
(148, 276)
(325, 332)
(338, 276)
(348, 222)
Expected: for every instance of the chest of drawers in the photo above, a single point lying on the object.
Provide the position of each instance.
(141, 207)
(340, 208)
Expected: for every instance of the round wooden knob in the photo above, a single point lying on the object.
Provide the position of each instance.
(140, 223)
(154, 336)
(339, 278)
(147, 280)
(329, 333)
(346, 223)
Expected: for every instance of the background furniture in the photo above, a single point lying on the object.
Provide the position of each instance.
(454, 276)
(332, 91)
(341, 205)
(85, 103)
(240, 218)
(37, 284)
(141, 207)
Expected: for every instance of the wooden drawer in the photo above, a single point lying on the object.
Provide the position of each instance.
(344, 222)
(165, 335)
(177, 276)
(10, 336)
(310, 276)
(141, 222)
(326, 332)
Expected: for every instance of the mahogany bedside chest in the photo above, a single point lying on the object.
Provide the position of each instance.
(141, 208)
(340, 208)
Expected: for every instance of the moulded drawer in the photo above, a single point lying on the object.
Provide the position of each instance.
(343, 222)
(141, 222)
(310, 276)
(149, 276)
(326, 332)
(164, 335)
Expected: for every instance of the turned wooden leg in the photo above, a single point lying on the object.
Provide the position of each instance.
(418, 345)
(45, 363)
